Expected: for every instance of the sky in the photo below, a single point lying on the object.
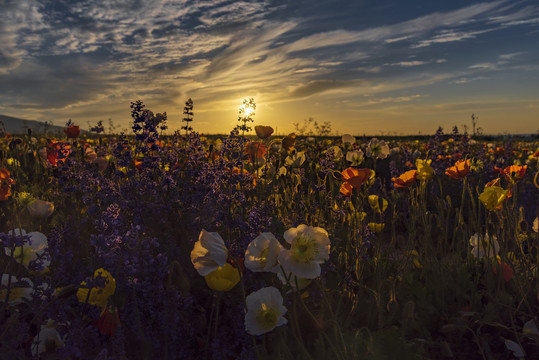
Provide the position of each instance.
(366, 66)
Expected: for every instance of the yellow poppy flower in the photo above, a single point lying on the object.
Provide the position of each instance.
(374, 202)
(493, 197)
(424, 170)
(376, 227)
(223, 279)
(98, 296)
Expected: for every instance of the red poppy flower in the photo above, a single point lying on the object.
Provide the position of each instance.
(255, 150)
(108, 321)
(72, 131)
(506, 269)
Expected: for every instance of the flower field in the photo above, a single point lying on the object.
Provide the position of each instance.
(151, 246)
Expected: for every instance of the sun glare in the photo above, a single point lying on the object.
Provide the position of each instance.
(246, 110)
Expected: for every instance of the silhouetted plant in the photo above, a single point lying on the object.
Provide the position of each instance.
(99, 128)
(145, 126)
(112, 127)
(323, 129)
(188, 112)
(474, 122)
(246, 112)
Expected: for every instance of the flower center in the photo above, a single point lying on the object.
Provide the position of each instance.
(267, 317)
(24, 255)
(14, 294)
(264, 256)
(303, 249)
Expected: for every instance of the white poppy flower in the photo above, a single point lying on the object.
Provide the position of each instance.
(377, 149)
(355, 157)
(309, 247)
(484, 246)
(20, 289)
(262, 252)
(209, 252)
(219, 145)
(265, 311)
(295, 160)
(90, 155)
(49, 334)
(40, 209)
(29, 252)
(348, 139)
(337, 153)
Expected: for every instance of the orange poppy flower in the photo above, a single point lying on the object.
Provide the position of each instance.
(406, 179)
(346, 189)
(57, 152)
(497, 182)
(354, 178)
(5, 184)
(4, 174)
(460, 170)
(155, 145)
(244, 172)
(513, 172)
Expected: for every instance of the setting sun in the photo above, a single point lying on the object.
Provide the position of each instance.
(246, 110)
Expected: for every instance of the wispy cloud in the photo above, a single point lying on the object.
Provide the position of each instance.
(512, 56)
(397, 39)
(466, 80)
(408, 63)
(485, 66)
(450, 36)
(398, 99)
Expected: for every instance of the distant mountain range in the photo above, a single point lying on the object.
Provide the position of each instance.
(15, 125)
